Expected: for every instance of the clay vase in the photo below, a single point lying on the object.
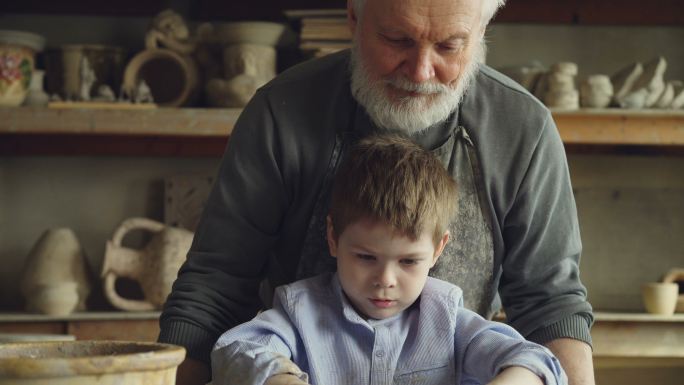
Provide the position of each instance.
(154, 267)
(36, 96)
(55, 277)
(17, 58)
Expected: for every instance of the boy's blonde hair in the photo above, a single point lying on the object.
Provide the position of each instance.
(389, 178)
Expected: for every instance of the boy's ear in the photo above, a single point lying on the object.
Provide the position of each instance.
(440, 247)
(332, 243)
(352, 20)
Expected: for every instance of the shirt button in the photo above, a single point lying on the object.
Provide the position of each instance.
(379, 354)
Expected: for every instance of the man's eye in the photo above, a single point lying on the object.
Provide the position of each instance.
(401, 41)
(451, 46)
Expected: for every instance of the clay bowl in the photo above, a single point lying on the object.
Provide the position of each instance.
(89, 363)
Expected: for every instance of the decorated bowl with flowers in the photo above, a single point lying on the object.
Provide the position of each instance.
(17, 57)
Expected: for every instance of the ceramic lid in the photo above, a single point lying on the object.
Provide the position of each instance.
(27, 39)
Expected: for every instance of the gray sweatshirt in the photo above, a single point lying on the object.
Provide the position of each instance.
(261, 226)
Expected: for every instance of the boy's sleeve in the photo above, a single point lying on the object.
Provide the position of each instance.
(252, 352)
(484, 348)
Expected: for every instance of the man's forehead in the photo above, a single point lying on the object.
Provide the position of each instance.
(433, 19)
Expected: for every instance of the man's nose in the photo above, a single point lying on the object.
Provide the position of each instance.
(385, 277)
(419, 66)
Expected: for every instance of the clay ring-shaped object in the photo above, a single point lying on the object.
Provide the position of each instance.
(171, 77)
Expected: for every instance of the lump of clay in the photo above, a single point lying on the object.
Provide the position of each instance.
(623, 81)
(666, 97)
(652, 81)
(596, 91)
(561, 91)
(678, 92)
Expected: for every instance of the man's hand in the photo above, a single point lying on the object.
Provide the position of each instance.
(192, 372)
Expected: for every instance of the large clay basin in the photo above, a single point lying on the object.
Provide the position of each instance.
(89, 363)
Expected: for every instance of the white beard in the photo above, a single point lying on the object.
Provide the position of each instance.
(409, 114)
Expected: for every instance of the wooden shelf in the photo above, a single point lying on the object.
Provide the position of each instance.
(204, 132)
(621, 127)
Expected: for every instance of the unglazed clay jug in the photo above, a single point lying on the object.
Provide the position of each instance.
(154, 267)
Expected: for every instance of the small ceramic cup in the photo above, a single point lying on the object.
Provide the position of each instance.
(660, 298)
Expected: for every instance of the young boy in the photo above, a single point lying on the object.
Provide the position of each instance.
(380, 319)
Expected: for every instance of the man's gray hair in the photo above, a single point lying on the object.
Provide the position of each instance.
(489, 9)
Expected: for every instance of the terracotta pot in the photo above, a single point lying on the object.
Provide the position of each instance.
(155, 266)
(89, 363)
(17, 62)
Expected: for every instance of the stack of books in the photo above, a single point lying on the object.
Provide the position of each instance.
(322, 31)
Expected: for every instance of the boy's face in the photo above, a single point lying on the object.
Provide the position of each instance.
(381, 272)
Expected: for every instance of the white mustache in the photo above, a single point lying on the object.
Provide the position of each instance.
(428, 88)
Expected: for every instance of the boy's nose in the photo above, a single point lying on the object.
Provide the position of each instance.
(385, 278)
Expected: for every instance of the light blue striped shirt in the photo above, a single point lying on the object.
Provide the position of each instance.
(435, 341)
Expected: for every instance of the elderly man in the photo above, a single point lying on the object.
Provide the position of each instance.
(416, 67)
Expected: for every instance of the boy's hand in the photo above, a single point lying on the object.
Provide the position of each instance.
(290, 374)
(285, 379)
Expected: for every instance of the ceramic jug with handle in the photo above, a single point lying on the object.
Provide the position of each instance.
(154, 267)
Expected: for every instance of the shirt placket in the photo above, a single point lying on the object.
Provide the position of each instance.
(380, 357)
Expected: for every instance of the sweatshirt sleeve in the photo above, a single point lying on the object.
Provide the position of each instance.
(218, 285)
(540, 286)
(252, 352)
(485, 348)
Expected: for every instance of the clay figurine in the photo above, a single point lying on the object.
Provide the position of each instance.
(168, 30)
(87, 79)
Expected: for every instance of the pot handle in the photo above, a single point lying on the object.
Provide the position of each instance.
(127, 258)
(120, 302)
(133, 224)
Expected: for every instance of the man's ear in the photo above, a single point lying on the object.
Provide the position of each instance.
(352, 20)
(440, 247)
(332, 242)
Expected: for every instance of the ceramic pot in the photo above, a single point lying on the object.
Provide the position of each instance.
(676, 275)
(55, 275)
(17, 58)
(36, 96)
(155, 266)
(660, 298)
(89, 363)
(63, 65)
(57, 299)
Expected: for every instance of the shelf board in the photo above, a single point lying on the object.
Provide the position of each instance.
(204, 132)
(621, 127)
(195, 122)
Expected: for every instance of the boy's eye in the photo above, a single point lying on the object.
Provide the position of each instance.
(365, 257)
(408, 262)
